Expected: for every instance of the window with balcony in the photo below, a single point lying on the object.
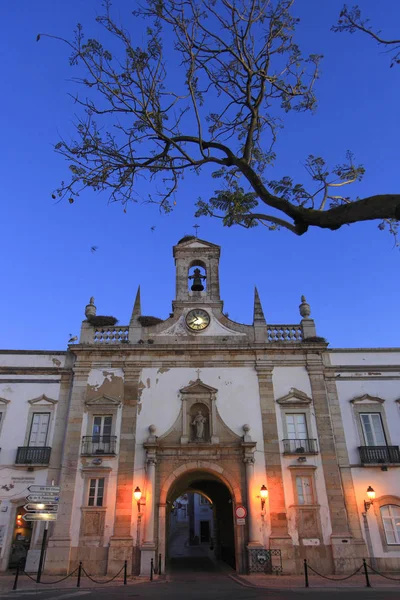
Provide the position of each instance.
(297, 440)
(373, 431)
(36, 452)
(101, 441)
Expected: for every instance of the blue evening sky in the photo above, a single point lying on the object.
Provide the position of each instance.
(350, 277)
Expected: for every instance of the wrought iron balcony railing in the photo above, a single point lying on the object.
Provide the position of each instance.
(99, 444)
(33, 455)
(305, 446)
(379, 454)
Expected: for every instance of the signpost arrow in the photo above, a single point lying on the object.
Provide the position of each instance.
(40, 517)
(43, 498)
(40, 507)
(43, 489)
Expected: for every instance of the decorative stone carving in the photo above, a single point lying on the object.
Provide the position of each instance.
(90, 309)
(367, 399)
(294, 398)
(304, 308)
(103, 400)
(43, 399)
(199, 422)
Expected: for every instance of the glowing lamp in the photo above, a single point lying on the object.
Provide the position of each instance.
(371, 497)
(137, 494)
(264, 496)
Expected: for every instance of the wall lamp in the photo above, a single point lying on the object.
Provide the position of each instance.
(264, 496)
(137, 494)
(371, 497)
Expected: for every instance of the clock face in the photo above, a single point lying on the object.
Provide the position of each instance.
(197, 319)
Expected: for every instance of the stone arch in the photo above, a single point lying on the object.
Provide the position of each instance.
(220, 475)
(200, 466)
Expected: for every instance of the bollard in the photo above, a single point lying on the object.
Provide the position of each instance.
(151, 569)
(78, 583)
(159, 564)
(16, 578)
(306, 572)
(366, 572)
(125, 570)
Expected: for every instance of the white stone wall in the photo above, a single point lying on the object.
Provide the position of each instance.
(380, 378)
(284, 379)
(14, 431)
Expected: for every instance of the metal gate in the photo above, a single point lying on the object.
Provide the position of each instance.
(265, 561)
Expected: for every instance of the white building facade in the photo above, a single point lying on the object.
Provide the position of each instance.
(198, 403)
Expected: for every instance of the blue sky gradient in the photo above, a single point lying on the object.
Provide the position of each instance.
(350, 277)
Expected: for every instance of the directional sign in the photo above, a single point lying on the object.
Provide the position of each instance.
(40, 517)
(43, 489)
(40, 507)
(43, 498)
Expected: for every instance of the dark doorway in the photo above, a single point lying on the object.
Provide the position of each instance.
(21, 540)
(200, 529)
(204, 531)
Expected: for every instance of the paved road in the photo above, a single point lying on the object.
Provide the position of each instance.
(199, 586)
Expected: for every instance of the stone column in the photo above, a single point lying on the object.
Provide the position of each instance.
(347, 541)
(59, 548)
(254, 534)
(148, 547)
(121, 543)
(279, 537)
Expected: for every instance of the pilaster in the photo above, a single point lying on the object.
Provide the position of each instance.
(58, 555)
(121, 543)
(279, 530)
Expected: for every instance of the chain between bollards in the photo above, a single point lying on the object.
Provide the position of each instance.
(366, 572)
(306, 572)
(159, 564)
(16, 578)
(151, 569)
(78, 583)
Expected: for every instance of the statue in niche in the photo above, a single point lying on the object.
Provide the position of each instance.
(197, 283)
(198, 423)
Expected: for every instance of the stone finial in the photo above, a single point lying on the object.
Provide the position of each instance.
(137, 310)
(247, 436)
(305, 310)
(90, 309)
(152, 430)
(258, 314)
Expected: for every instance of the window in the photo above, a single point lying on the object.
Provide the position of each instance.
(391, 522)
(373, 429)
(296, 426)
(304, 488)
(39, 429)
(203, 500)
(96, 492)
(101, 427)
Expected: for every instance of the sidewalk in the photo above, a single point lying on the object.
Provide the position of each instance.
(296, 582)
(52, 582)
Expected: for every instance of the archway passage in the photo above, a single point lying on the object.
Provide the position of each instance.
(200, 531)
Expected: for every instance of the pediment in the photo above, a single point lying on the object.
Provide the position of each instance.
(43, 400)
(196, 243)
(367, 399)
(4, 402)
(294, 397)
(198, 387)
(103, 401)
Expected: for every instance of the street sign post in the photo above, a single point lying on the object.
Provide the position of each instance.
(44, 489)
(40, 517)
(41, 507)
(51, 498)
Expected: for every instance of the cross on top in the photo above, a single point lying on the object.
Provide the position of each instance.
(196, 228)
(198, 373)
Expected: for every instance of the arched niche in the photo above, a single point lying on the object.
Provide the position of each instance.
(199, 397)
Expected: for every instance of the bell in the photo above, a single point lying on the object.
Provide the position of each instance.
(197, 283)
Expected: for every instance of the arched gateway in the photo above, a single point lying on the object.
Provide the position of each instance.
(213, 484)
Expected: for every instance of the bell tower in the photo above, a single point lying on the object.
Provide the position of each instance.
(197, 273)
